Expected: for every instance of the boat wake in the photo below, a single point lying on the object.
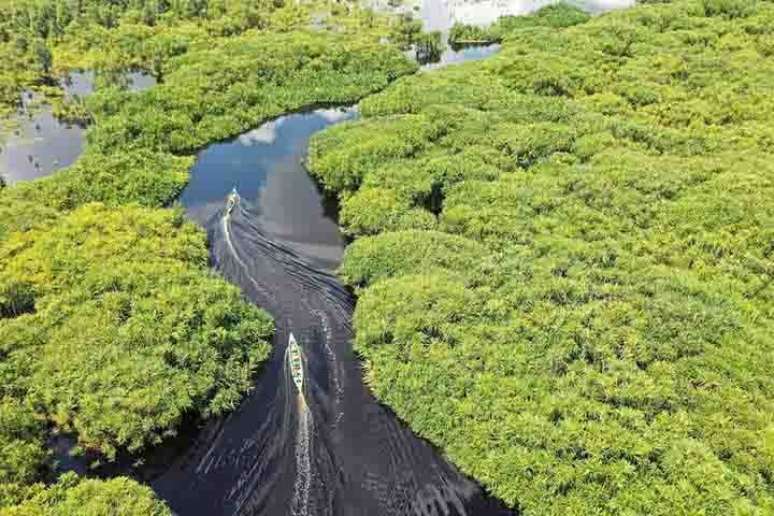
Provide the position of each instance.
(326, 449)
(301, 488)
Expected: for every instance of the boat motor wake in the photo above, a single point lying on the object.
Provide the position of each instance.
(310, 439)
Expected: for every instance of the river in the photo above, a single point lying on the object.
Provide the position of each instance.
(331, 449)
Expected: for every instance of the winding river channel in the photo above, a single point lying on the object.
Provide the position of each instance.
(331, 449)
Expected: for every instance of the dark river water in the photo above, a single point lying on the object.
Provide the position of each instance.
(331, 449)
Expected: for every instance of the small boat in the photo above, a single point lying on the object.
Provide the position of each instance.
(296, 364)
(233, 199)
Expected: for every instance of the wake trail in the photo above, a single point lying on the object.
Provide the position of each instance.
(304, 473)
(227, 234)
(329, 450)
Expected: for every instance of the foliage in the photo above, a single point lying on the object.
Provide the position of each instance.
(221, 91)
(428, 47)
(72, 495)
(556, 16)
(111, 326)
(592, 332)
(43, 38)
(127, 293)
(397, 253)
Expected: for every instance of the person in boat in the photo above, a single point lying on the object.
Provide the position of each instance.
(233, 199)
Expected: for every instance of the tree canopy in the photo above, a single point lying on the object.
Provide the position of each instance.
(565, 257)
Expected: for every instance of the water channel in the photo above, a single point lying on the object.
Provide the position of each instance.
(330, 449)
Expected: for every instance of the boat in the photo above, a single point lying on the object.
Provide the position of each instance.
(233, 199)
(296, 364)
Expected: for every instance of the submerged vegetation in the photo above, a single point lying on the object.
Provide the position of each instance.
(565, 257)
(112, 327)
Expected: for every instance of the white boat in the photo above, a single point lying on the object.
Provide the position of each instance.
(233, 200)
(296, 363)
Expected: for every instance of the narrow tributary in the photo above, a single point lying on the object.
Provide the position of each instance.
(331, 449)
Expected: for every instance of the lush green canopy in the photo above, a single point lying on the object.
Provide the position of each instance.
(69, 496)
(113, 328)
(594, 332)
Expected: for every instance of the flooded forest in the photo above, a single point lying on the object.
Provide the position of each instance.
(386, 257)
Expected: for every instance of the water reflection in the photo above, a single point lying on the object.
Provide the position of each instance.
(265, 165)
(452, 56)
(39, 144)
(442, 15)
(78, 84)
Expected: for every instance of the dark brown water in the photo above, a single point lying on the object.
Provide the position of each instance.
(331, 449)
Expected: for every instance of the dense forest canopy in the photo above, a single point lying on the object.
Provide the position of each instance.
(565, 256)
(112, 327)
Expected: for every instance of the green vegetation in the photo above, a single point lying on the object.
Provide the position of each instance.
(556, 16)
(112, 327)
(566, 258)
(86, 496)
(214, 87)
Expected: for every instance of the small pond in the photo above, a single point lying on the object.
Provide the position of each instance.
(37, 143)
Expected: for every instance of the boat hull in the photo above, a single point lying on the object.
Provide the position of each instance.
(295, 362)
